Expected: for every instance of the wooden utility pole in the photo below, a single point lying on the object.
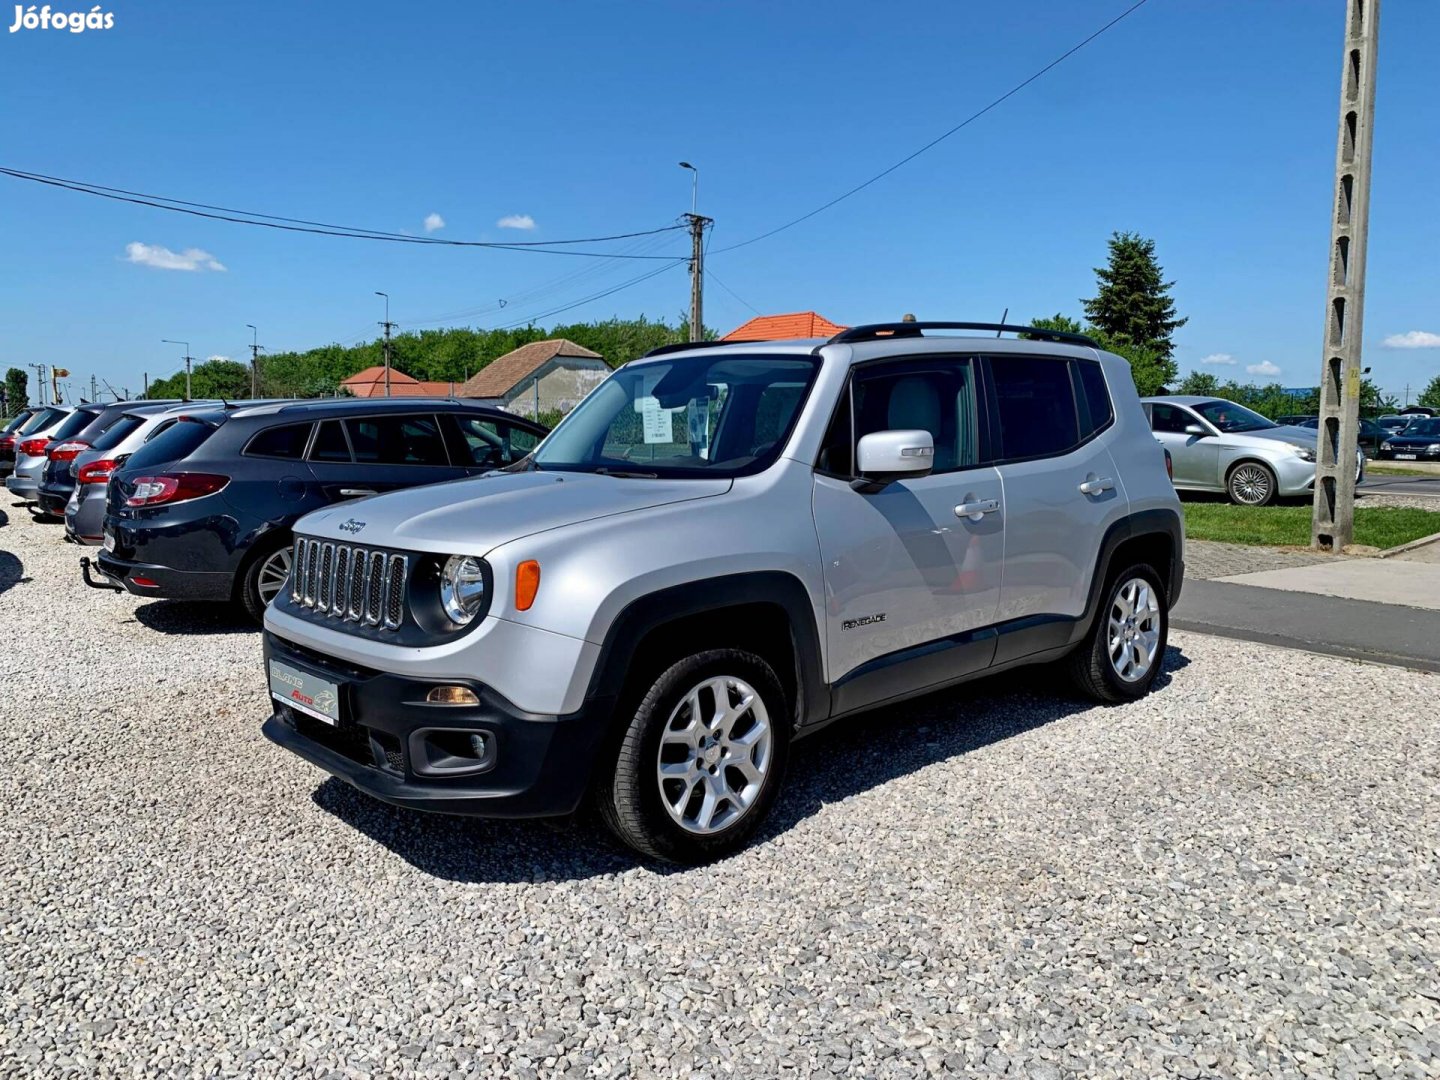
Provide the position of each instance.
(698, 222)
(1333, 522)
(388, 325)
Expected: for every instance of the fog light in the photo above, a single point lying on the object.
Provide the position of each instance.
(479, 746)
(452, 695)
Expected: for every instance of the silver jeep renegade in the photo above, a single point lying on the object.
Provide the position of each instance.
(723, 548)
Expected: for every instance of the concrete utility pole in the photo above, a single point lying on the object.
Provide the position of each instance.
(93, 390)
(388, 325)
(697, 257)
(39, 382)
(145, 383)
(168, 341)
(1333, 523)
(254, 361)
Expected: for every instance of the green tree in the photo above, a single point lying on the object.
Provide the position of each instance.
(17, 390)
(1063, 323)
(217, 377)
(1132, 302)
(1429, 397)
(1202, 383)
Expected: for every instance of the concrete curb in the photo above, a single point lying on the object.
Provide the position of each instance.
(1411, 546)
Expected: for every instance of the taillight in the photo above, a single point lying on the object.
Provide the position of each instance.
(6, 442)
(34, 447)
(176, 487)
(67, 451)
(95, 472)
(1169, 466)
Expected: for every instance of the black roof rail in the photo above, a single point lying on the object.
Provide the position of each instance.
(883, 331)
(682, 346)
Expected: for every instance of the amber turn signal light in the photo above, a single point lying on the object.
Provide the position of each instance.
(527, 584)
(452, 695)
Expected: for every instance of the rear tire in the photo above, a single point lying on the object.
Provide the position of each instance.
(263, 579)
(1122, 653)
(700, 761)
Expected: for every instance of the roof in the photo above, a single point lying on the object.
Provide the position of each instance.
(799, 324)
(506, 372)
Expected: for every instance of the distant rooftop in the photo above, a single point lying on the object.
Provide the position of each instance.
(798, 324)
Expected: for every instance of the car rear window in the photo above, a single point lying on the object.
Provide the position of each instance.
(284, 441)
(75, 423)
(117, 432)
(41, 420)
(181, 440)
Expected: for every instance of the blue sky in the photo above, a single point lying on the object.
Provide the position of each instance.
(1206, 124)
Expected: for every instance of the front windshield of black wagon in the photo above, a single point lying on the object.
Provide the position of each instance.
(718, 414)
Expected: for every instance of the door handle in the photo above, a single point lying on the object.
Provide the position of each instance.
(1095, 487)
(977, 508)
(355, 493)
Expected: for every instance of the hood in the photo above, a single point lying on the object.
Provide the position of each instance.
(1295, 436)
(475, 515)
(1402, 439)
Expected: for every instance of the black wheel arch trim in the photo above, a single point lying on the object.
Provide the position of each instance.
(773, 587)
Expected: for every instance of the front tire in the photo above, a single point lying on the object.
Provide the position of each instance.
(1122, 653)
(1251, 484)
(701, 760)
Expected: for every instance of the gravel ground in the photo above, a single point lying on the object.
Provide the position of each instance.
(1226, 880)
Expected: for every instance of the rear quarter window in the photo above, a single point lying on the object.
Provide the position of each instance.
(1093, 396)
(179, 441)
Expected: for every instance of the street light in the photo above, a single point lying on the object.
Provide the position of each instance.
(171, 341)
(694, 184)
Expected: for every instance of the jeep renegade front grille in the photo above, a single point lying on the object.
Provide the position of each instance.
(353, 584)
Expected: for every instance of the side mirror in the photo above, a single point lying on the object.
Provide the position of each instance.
(1196, 429)
(883, 456)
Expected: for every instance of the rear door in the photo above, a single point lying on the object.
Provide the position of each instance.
(366, 455)
(904, 569)
(1053, 420)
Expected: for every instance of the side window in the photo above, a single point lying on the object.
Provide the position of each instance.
(936, 395)
(1035, 406)
(1170, 419)
(522, 441)
(286, 441)
(1096, 412)
(330, 444)
(397, 440)
(489, 444)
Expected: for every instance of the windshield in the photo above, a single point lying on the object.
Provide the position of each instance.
(1227, 416)
(713, 415)
(1423, 429)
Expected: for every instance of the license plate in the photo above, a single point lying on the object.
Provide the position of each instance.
(1404, 457)
(109, 541)
(310, 694)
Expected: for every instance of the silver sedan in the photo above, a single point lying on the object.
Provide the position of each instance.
(1217, 445)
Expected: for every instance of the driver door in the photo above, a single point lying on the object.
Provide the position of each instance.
(1195, 458)
(904, 570)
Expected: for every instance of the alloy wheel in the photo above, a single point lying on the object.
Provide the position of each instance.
(1250, 484)
(1134, 630)
(273, 572)
(715, 753)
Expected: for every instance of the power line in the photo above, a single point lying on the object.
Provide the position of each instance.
(941, 138)
(711, 275)
(595, 296)
(300, 225)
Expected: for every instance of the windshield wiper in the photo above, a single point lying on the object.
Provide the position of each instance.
(623, 475)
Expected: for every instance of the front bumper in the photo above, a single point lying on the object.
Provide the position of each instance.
(165, 582)
(395, 746)
(1295, 476)
(1414, 454)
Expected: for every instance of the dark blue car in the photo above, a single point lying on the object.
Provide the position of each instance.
(204, 511)
(1420, 441)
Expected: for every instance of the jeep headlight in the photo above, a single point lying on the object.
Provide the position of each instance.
(1304, 453)
(1387, 445)
(1433, 448)
(462, 588)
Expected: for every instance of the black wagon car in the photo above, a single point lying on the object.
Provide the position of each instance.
(204, 511)
(1420, 441)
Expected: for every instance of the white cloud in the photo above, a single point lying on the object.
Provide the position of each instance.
(1216, 358)
(1415, 339)
(1265, 367)
(516, 221)
(162, 258)
(433, 222)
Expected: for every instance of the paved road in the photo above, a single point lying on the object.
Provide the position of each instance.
(1359, 629)
(1401, 485)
